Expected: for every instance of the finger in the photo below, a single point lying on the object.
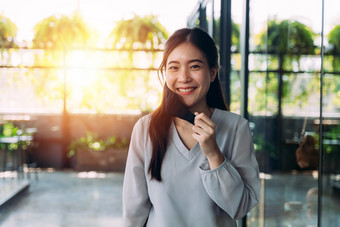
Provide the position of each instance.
(209, 128)
(198, 130)
(202, 124)
(205, 118)
(198, 137)
(201, 133)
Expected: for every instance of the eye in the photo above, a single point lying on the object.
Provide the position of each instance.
(196, 66)
(172, 68)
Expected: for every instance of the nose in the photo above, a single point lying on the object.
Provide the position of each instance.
(184, 76)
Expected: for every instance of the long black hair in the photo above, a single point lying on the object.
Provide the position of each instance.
(161, 121)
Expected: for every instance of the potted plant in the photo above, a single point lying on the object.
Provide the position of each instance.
(15, 145)
(91, 153)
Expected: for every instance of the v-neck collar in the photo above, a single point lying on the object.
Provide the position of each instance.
(195, 150)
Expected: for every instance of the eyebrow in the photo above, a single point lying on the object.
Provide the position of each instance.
(190, 61)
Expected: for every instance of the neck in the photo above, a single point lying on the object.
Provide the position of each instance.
(207, 110)
(184, 124)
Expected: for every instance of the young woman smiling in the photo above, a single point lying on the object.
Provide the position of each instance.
(183, 174)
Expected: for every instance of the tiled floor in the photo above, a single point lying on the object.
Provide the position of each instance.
(10, 187)
(72, 199)
(67, 199)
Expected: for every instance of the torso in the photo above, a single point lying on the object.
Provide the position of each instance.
(182, 177)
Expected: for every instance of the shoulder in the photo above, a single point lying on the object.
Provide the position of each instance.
(227, 116)
(141, 127)
(140, 135)
(143, 122)
(226, 120)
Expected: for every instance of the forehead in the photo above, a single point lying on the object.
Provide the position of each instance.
(185, 52)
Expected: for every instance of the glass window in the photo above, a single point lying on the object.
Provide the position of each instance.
(210, 17)
(235, 76)
(284, 111)
(331, 117)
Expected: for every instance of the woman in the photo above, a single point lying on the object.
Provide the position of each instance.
(180, 174)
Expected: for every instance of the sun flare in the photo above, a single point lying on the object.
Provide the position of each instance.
(82, 68)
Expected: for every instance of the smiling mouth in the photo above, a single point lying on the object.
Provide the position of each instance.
(186, 91)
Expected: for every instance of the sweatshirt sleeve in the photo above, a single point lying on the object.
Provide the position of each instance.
(136, 203)
(234, 186)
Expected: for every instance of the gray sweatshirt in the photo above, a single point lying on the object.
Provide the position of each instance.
(191, 194)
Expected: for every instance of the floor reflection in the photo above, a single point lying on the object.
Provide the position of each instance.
(65, 198)
(291, 199)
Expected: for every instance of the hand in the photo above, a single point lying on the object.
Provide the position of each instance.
(204, 134)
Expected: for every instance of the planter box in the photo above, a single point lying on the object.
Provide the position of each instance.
(48, 155)
(112, 159)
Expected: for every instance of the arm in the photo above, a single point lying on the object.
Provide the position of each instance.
(234, 185)
(136, 204)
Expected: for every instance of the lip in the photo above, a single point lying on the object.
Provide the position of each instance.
(186, 90)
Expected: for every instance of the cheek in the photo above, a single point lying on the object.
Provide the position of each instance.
(204, 80)
(170, 83)
(169, 79)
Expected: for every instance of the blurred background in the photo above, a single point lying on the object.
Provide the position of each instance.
(76, 75)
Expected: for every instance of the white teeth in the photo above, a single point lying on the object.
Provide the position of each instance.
(185, 89)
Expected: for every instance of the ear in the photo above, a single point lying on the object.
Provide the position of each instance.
(213, 73)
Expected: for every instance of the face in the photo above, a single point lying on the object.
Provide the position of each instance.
(189, 75)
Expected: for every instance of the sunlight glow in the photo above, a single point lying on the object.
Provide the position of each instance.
(83, 68)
